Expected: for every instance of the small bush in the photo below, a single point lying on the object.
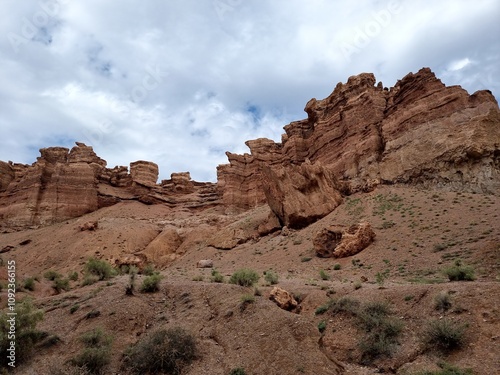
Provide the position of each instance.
(97, 353)
(27, 335)
(51, 275)
(163, 351)
(305, 259)
(100, 268)
(322, 326)
(357, 285)
(324, 275)
(96, 339)
(74, 308)
(324, 308)
(149, 270)
(73, 276)
(150, 284)
(198, 278)
(60, 284)
(459, 272)
(29, 284)
(237, 371)
(444, 334)
(244, 277)
(271, 277)
(247, 298)
(94, 360)
(89, 279)
(345, 304)
(216, 277)
(337, 267)
(129, 289)
(442, 301)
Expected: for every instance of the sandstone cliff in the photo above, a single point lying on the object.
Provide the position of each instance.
(418, 132)
(64, 184)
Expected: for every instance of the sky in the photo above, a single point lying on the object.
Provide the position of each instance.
(180, 82)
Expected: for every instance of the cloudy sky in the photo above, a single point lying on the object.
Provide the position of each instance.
(179, 82)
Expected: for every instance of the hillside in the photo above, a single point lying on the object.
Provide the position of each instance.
(419, 162)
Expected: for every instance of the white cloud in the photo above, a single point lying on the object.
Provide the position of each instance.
(179, 83)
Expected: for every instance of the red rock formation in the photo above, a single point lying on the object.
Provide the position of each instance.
(338, 243)
(419, 131)
(300, 195)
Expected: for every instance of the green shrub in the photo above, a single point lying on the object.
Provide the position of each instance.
(444, 334)
(94, 360)
(51, 275)
(96, 338)
(100, 268)
(149, 270)
(447, 369)
(244, 277)
(198, 278)
(381, 330)
(271, 277)
(324, 308)
(97, 353)
(237, 371)
(60, 284)
(247, 298)
(26, 333)
(164, 351)
(216, 277)
(29, 284)
(74, 308)
(322, 326)
(337, 266)
(150, 284)
(459, 272)
(324, 275)
(442, 301)
(305, 259)
(73, 276)
(346, 305)
(89, 279)
(129, 289)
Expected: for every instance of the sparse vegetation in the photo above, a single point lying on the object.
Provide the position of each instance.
(460, 272)
(97, 353)
(51, 275)
(60, 284)
(442, 301)
(73, 276)
(89, 279)
(247, 298)
(29, 284)
(322, 326)
(149, 270)
(100, 268)
(444, 335)
(26, 333)
(237, 371)
(150, 284)
(216, 276)
(164, 351)
(129, 289)
(337, 267)
(305, 259)
(324, 275)
(244, 277)
(74, 308)
(271, 277)
(446, 369)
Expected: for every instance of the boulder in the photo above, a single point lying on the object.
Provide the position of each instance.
(89, 225)
(164, 248)
(205, 263)
(338, 243)
(283, 299)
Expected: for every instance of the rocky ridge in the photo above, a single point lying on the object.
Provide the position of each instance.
(417, 132)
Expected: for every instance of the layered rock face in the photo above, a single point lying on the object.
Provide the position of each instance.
(64, 184)
(418, 132)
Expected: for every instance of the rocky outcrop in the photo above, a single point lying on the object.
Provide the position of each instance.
(417, 132)
(300, 195)
(164, 248)
(339, 243)
(144, 172)
(64, 184)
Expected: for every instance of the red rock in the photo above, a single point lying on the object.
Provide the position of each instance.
(283, 299)
(338, 243)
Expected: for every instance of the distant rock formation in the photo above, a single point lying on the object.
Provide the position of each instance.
(64, 184)
(417, 132)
